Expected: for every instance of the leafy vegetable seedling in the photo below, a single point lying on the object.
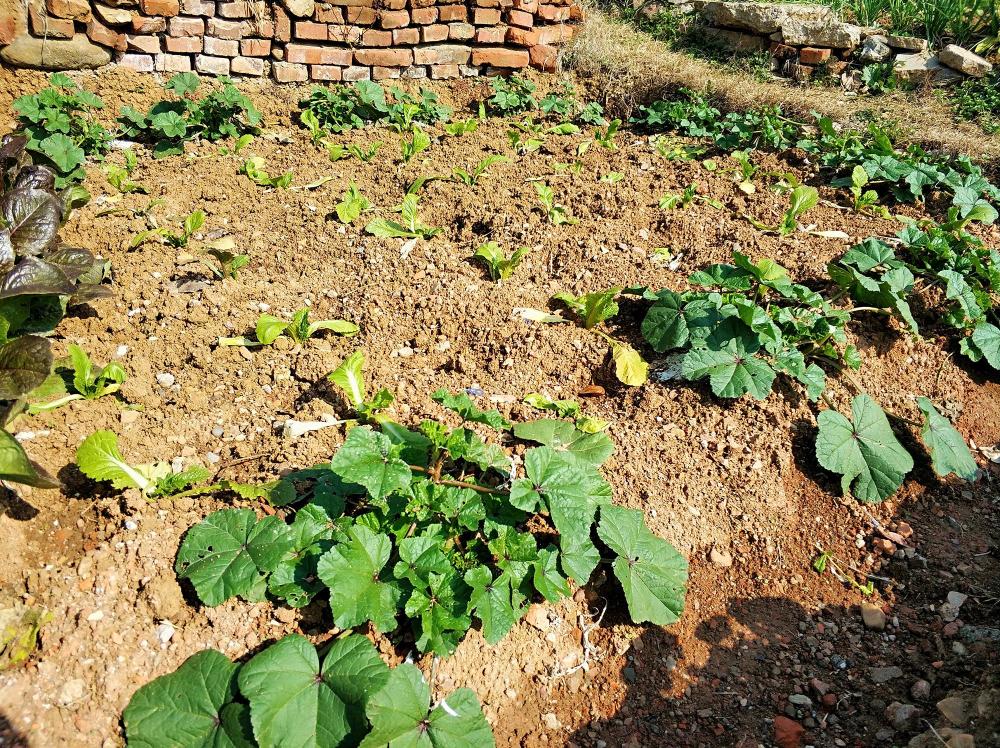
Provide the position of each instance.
(87, 383)
(418, 142)
(229, 262)
(802, 199)
(352, 204)
(191, 224)
(118, 176)
(349, 377)
(606, 138)
(99, 459)
(500, 266)
(299, 329)
(253, 167)
(556, 213)
(461, 127)
(408, 227)
(471, 179)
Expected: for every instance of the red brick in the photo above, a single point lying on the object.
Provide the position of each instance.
(148, 24)
(394, 19)
(98, 33)
(344, 34)
(426, 3)
(74, 9)
(384, 57)
(187, 27)
(148, 44)
(381, 73)
(405, 37)
(488, 3)
(436, 33)
(184, 44)
(528, 6)
(576, 13)
(329, 15)
(520, 18)
(440, 72)
(326, 73)
(442, 54)
(360, 16)
(544, 57)
(248, 66)
(501, 57)
(424, 16)
(264, 29)
(282, 25)
(813, 55)
(238, 9)
(310, 30)
(491, 35)
(781, 51)
(224, 29)
(43, 24)
(553, 12)
(167, 8)
(221, 47)
(452, 13)
(288, 73)
(393, 5)
(461, 31)
(310, 55)
(255, 47)
(522, 37)
(555, 34)
(376, 38)
(198, 8)
(485, 17)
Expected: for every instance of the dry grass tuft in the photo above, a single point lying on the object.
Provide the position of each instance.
(627, 67)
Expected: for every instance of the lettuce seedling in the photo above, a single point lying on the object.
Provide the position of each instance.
(500, 266)
(606, 138)
(118, 176)
(253, 167)
(556, 213)
(192, 223)
(352, 204)
(592, 308)
(864, 199)
(418, 143)
(349, 377)
(229, 263)
(365, 155)
(462, 127)
(99, 459)
(87, 382)
(567, 409)
(409, 226)
(299, 328)
(471, 179)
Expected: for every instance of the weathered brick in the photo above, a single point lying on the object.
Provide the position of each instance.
(173, 63)
(439, 72)
(544, 57)
(237, 9)
(221, 47)
(247, 66)
(442, 54)
(184, 44)
(310, 30)
(405, 37)
(520, 18)
(813, 55)
(415, 72)
(98, 33)
(211, 65)
(522, 37)
(42, 24)
(354, 3)
(501, 57)
(357, 73)
(485, 17)
(285, 72)
(453, 13)
(314, 55)
(468, 71)
(328, 15)
(187, 26)
(343, 34)
(491, 35)
(148, 24)
(105, 14)
(141, 63)
(394, 19)
(205, 8)
(555, 34)
(461, 31)
(384, 57)
(326, 72)
(148, 44)
(376, 38)
(224, 29)
(74, 9)
(282, 25)
(553, 12)
(576, 13)
(360, 16)
(167, 8)
(380, 73)
(528, 6)
(488, 3)
(423, 16)
(255, 47)
(436, 33)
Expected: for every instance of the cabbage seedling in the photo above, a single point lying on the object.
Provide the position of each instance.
(300, 329)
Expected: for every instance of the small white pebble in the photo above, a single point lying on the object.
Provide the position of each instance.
(165, 379)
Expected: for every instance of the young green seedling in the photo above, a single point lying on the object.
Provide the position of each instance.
(229, 263)
(253, 167)
(409, 226)
(118, 176)
(864, 199)
(462, 127)
(801, 200)
(87, 383)
(690, 194)
(191, 224)
(471, 179)
(606, 138)
(500, 266)
(349, 377)
(592, 308)
(269, 328)
(556, 213)
(418, 142)
(365, 155)
(352, 204)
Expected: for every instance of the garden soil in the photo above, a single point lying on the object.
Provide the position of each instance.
(764, 641)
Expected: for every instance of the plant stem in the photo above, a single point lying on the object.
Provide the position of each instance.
(455, 483)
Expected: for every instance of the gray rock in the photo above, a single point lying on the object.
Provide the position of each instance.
(831, 34)
(921, 67)
(874, 49)
(956, 598)
(300, 8)
(762, 18)
(902, 716)
(885, 674)
(737, 39)
(966, 62)
(973, 634)
(920, 690)
(953, 710)
(906, 43)
(55, 54)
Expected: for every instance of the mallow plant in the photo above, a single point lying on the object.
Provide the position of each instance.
(440, 529)
(293, 693)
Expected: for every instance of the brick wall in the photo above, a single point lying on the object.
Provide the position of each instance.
(294, 40)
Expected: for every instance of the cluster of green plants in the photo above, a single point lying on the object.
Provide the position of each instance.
(41, 278)
(343, 108)
(223, 113)
(269, 328)
(292, 693)
(965, 22)
(61, 128)
(978, 100)
(434, 525)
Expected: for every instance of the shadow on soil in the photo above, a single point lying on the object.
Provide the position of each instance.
(10, 736)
